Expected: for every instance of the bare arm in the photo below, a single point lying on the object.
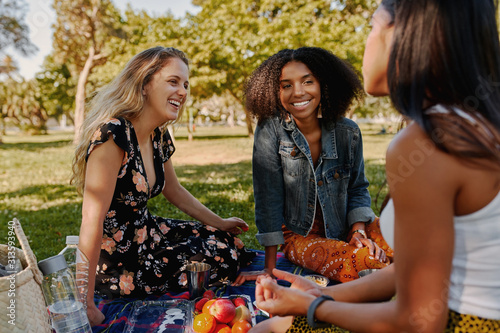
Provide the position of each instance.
(424, 201)
(102, 169)
(186, 202)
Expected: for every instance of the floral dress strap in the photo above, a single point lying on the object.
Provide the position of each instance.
(118, 129)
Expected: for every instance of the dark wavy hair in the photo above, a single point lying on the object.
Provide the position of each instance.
(447, 52)
(339, 83)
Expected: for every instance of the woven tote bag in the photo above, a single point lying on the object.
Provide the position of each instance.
(22, 306)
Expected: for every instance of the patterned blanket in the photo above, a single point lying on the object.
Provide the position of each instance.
(118, 311)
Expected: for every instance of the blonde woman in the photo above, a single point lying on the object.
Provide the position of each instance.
(124, 159)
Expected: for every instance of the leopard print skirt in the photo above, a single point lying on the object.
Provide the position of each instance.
(457, 323)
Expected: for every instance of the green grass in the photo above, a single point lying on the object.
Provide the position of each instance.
(215, 167)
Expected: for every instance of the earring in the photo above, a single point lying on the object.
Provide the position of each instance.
(320, 112)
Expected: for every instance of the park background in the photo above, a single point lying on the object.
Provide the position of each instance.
(225, 41)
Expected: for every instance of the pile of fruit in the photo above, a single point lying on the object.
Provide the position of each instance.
(221, 315)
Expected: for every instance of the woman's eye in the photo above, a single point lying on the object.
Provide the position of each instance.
(286, 86)
(308, 82)
(173, 82)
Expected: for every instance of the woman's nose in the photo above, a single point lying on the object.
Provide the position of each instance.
(298, 90)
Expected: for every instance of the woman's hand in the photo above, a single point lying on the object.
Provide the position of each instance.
(299, 282)
(281, 301)
(95, 315)
(250, 276)
(234, 225)
(374, 250)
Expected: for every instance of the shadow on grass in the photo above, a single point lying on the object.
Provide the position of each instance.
(34, 146)
(226, 189)
(46, 192)
(212, 137)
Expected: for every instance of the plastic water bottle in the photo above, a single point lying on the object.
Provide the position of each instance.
(69, 252)
(78, 265)
(59, 289)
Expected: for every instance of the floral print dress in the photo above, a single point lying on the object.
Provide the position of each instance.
(142, 254)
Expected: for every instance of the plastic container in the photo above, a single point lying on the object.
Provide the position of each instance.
(67, 313)
(69, 252)
(173, 316)
(78, 265)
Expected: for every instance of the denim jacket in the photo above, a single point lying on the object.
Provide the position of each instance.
(286, 185)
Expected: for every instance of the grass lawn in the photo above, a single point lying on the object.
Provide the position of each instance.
(215, 167)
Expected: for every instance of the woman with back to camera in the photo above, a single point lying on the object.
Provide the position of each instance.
(440, 63)
(310, 189)
(124, 159)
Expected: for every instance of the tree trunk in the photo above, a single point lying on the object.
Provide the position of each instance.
(80, 94)
(248, 117)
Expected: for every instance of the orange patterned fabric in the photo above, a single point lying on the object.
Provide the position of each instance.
(335, 259)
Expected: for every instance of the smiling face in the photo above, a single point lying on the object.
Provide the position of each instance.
(167, 91)
(377, 52)
(300, 91)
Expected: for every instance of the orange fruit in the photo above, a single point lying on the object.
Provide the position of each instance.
(207, 306)
(241, 326)
(222, 328)
(204, 323)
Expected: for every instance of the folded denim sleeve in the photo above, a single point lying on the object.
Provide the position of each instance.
(270, 238)
(361, 214)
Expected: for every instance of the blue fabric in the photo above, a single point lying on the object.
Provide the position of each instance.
(287, 185)
(118, 311)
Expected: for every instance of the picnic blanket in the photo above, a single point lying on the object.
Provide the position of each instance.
(118, 311)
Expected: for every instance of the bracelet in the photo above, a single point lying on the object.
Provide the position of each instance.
(312, 309)
(361, 231)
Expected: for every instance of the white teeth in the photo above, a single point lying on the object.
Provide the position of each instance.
(176, 103)
(301, 103)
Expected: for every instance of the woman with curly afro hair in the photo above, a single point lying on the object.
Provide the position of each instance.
(311, 193)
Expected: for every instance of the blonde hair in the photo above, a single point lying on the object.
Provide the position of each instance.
(122, 98)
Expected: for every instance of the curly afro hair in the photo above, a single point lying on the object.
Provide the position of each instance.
(339, 82)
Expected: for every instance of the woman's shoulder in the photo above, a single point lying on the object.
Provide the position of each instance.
(413, 153)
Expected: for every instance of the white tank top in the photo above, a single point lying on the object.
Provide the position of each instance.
(475, 275)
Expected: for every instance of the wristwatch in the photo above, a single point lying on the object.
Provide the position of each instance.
(312, 309)
(361, 231)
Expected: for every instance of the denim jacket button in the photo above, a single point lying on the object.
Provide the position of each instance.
(320, 183)
(336, 175)
(293, 153)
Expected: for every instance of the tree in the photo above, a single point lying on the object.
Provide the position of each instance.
(13, 31)
(229, 39)
(57, 89)
(22, 104)
(8, 66)
(83, 31)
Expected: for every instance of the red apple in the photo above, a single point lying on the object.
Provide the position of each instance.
(241, 313)
(239, 301)
(199, 305)
(223, 310)
(209, 294)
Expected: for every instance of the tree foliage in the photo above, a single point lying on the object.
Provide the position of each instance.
(82, 34)
(229, 39)
(226, 40)
(22, 104)
(13, 31)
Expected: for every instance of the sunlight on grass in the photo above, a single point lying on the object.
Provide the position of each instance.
(215, 167)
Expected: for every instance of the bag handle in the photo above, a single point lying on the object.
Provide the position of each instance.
(30, 256)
